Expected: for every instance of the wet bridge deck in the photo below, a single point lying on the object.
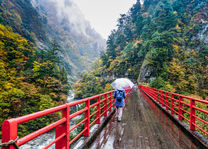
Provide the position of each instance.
(143, 126)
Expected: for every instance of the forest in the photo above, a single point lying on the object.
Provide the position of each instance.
(39, 56)
(162, 44)
(31, 79)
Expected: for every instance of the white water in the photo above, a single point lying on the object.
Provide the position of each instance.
(47, 138)
(41, 141)
(70, 98)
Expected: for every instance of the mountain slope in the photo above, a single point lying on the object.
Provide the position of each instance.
(165, 40)
(67, 25)
(30, 80)
(37, 54)
(24, 20)
(43, 22)
(162, 43)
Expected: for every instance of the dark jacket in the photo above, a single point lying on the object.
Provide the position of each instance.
(122, 102)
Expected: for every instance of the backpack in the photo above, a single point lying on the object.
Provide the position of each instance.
(119, 95)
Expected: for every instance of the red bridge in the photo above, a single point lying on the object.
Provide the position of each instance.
(152, 119)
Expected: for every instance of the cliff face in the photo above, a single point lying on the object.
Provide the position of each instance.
(203, 34)
(66, 24)
(23, 18)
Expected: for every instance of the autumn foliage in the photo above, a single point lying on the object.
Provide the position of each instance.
(30, 79)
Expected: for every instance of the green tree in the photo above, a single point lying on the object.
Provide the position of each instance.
(164, 17)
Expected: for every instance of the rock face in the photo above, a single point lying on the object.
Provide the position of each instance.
(65, 23)
(203, 34)
(146, 74)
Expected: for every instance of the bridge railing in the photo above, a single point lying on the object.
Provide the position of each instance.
(104, 103)
(186, 108)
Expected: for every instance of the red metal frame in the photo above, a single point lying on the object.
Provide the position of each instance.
(62, 126)
(176, 103)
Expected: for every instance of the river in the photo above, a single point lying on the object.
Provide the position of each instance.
(46, 138)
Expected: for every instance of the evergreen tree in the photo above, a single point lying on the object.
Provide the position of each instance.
(164, 17)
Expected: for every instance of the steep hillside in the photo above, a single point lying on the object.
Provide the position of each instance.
(39, 50)
(23, 18)
(162, 43)
(43, 22)
(30, 80)
(66, 24)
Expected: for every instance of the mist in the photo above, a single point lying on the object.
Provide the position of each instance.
(68, 11)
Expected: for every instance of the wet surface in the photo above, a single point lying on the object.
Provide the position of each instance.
(143, 126)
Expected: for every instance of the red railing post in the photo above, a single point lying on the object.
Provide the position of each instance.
(155, 94)
(98, 110)
(166, 98)
(162, 99)
(192, 114)
(64, 128)
(163, 96)
(180, 112)
(113, 99)
(105, 105)
(159, 97)
(127, 95)
(9, 132)
(87, 116)
(110, 104)
(150, 92)
(172, 104)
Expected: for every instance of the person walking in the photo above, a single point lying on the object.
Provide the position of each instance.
(119, 96)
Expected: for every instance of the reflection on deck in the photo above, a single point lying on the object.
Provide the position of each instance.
(143, 126)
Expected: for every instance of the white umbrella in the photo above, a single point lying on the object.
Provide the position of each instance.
(122, 83)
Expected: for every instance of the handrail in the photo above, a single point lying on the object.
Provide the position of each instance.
(62, 126)
(180, 105)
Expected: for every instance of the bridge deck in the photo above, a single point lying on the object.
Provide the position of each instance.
(143, 126)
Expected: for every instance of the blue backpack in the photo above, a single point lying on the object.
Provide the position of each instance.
(119, 95)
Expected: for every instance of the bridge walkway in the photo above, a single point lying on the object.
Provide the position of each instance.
(143, 126)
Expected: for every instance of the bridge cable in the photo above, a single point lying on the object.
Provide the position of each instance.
(11, 142)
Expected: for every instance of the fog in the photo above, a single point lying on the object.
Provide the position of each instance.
(68, 11)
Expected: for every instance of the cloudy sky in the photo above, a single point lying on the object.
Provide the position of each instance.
(103, 14)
